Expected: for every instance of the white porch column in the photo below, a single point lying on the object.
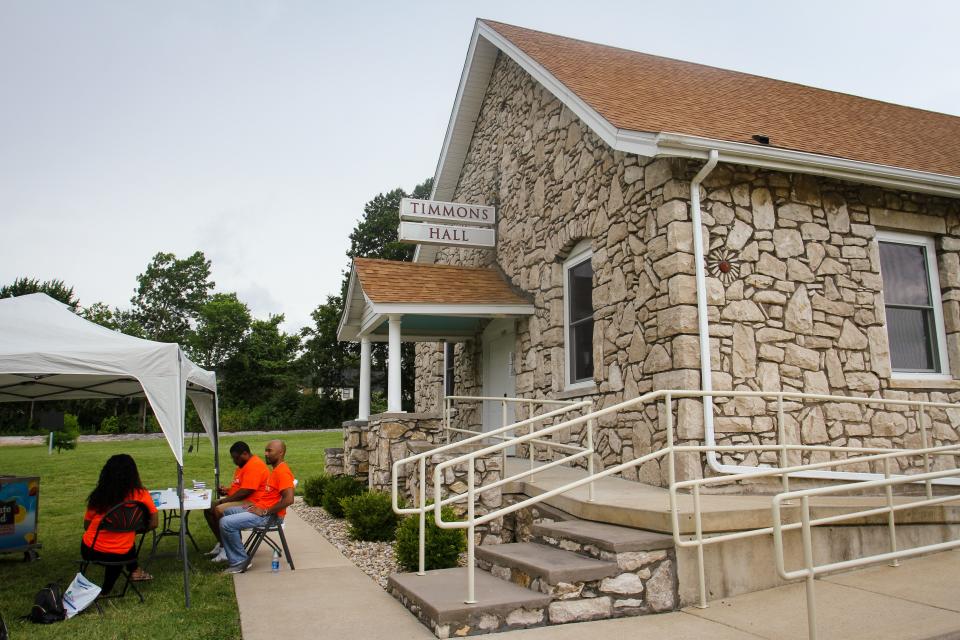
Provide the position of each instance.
(393, 366)
(364, 409)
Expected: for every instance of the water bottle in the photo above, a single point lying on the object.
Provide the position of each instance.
(275, 565)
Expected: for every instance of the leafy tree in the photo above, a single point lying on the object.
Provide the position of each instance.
(222, 323)
(170, 294)
(122, 320)
(56, 289)
(325, 358)
(264, 365)
(376, 235)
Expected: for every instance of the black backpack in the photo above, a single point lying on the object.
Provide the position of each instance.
(48, 605)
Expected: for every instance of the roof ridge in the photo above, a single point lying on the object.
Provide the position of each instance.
(712, 67)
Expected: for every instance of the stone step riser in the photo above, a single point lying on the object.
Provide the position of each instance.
(638, 589)
(479, 623)
(626, 560)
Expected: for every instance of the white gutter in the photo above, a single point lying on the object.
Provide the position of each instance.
(703, 325)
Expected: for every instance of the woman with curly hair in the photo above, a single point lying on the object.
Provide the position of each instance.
(119, 482)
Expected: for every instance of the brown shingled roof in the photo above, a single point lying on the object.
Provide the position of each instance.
(646, 93)
(390, 281)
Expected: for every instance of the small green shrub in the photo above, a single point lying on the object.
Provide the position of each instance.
(66, 438)
(338, 488)
(313, 489)
(378, 403)
(443, 546)
(110, 425)
(234, 419)
(371, 516)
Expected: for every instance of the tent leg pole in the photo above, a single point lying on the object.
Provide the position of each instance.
(216, 445)
(183, 539)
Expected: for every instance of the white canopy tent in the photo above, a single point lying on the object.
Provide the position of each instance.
(47, 352)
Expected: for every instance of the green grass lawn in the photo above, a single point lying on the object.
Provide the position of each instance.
(65, 481)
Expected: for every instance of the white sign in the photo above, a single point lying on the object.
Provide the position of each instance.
(455, 212)
(446, 234)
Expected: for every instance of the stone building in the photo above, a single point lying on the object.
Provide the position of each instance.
(830, 233)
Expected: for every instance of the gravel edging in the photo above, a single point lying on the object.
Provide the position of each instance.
(375, 559)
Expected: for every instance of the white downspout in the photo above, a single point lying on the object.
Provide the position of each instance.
(706, 371)
(703, 326)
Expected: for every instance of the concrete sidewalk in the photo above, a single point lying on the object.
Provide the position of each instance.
(328, 597)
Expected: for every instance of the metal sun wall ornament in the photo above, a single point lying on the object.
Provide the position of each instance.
(722, 264)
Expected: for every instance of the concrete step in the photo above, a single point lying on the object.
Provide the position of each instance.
(437, 599)
(538, 566)
(599, 540)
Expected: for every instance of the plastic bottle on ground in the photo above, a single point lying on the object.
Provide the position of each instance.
(275, 565)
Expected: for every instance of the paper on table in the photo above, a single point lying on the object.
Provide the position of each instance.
(193, 499)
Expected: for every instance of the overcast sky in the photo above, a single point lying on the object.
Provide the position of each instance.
(255, 131)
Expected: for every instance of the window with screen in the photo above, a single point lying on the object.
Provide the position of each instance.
(578, 288)
(911, 295)
(448, 368)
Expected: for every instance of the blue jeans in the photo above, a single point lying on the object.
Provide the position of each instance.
(235, 520)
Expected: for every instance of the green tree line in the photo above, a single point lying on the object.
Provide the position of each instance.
(267, 378)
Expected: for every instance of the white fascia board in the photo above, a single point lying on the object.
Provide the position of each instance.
(342, 334)
(680, 145)
(597, 123)
(470, 76)
(455, 310)
(366, 329)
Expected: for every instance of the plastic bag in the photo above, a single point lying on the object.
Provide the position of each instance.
(79, 595)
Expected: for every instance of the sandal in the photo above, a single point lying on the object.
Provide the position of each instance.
(140, 576)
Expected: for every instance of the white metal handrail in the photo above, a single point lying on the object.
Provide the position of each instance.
(421, 459)
(785, 471)
(505, 402)
(810, 570)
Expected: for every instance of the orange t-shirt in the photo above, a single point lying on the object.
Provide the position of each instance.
(252, 475)
(280, 478)
(111, 541)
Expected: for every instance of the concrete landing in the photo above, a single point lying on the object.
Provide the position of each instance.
(551, 564)
(326, 597)
(633, 504)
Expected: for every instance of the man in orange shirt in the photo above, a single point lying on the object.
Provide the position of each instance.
(249, 481)
(259, 510)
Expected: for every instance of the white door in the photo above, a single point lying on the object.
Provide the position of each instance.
(499, 340)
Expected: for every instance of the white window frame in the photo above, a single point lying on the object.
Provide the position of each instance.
(578, 255)
(930, 252)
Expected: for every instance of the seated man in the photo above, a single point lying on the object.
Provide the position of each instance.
(249, 480)
(276, 497)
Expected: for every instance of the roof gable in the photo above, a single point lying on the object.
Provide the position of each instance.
(688, 110)
(646, 93)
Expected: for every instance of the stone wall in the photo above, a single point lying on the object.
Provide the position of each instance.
(804, 310)
(800, 310)
(394, 436)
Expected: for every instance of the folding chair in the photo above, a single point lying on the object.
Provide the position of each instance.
(126, 517)
(259, 535)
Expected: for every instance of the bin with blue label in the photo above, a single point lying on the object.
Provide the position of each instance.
(19, 505)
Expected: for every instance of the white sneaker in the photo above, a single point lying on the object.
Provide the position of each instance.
(217, 550)
(221, 557)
